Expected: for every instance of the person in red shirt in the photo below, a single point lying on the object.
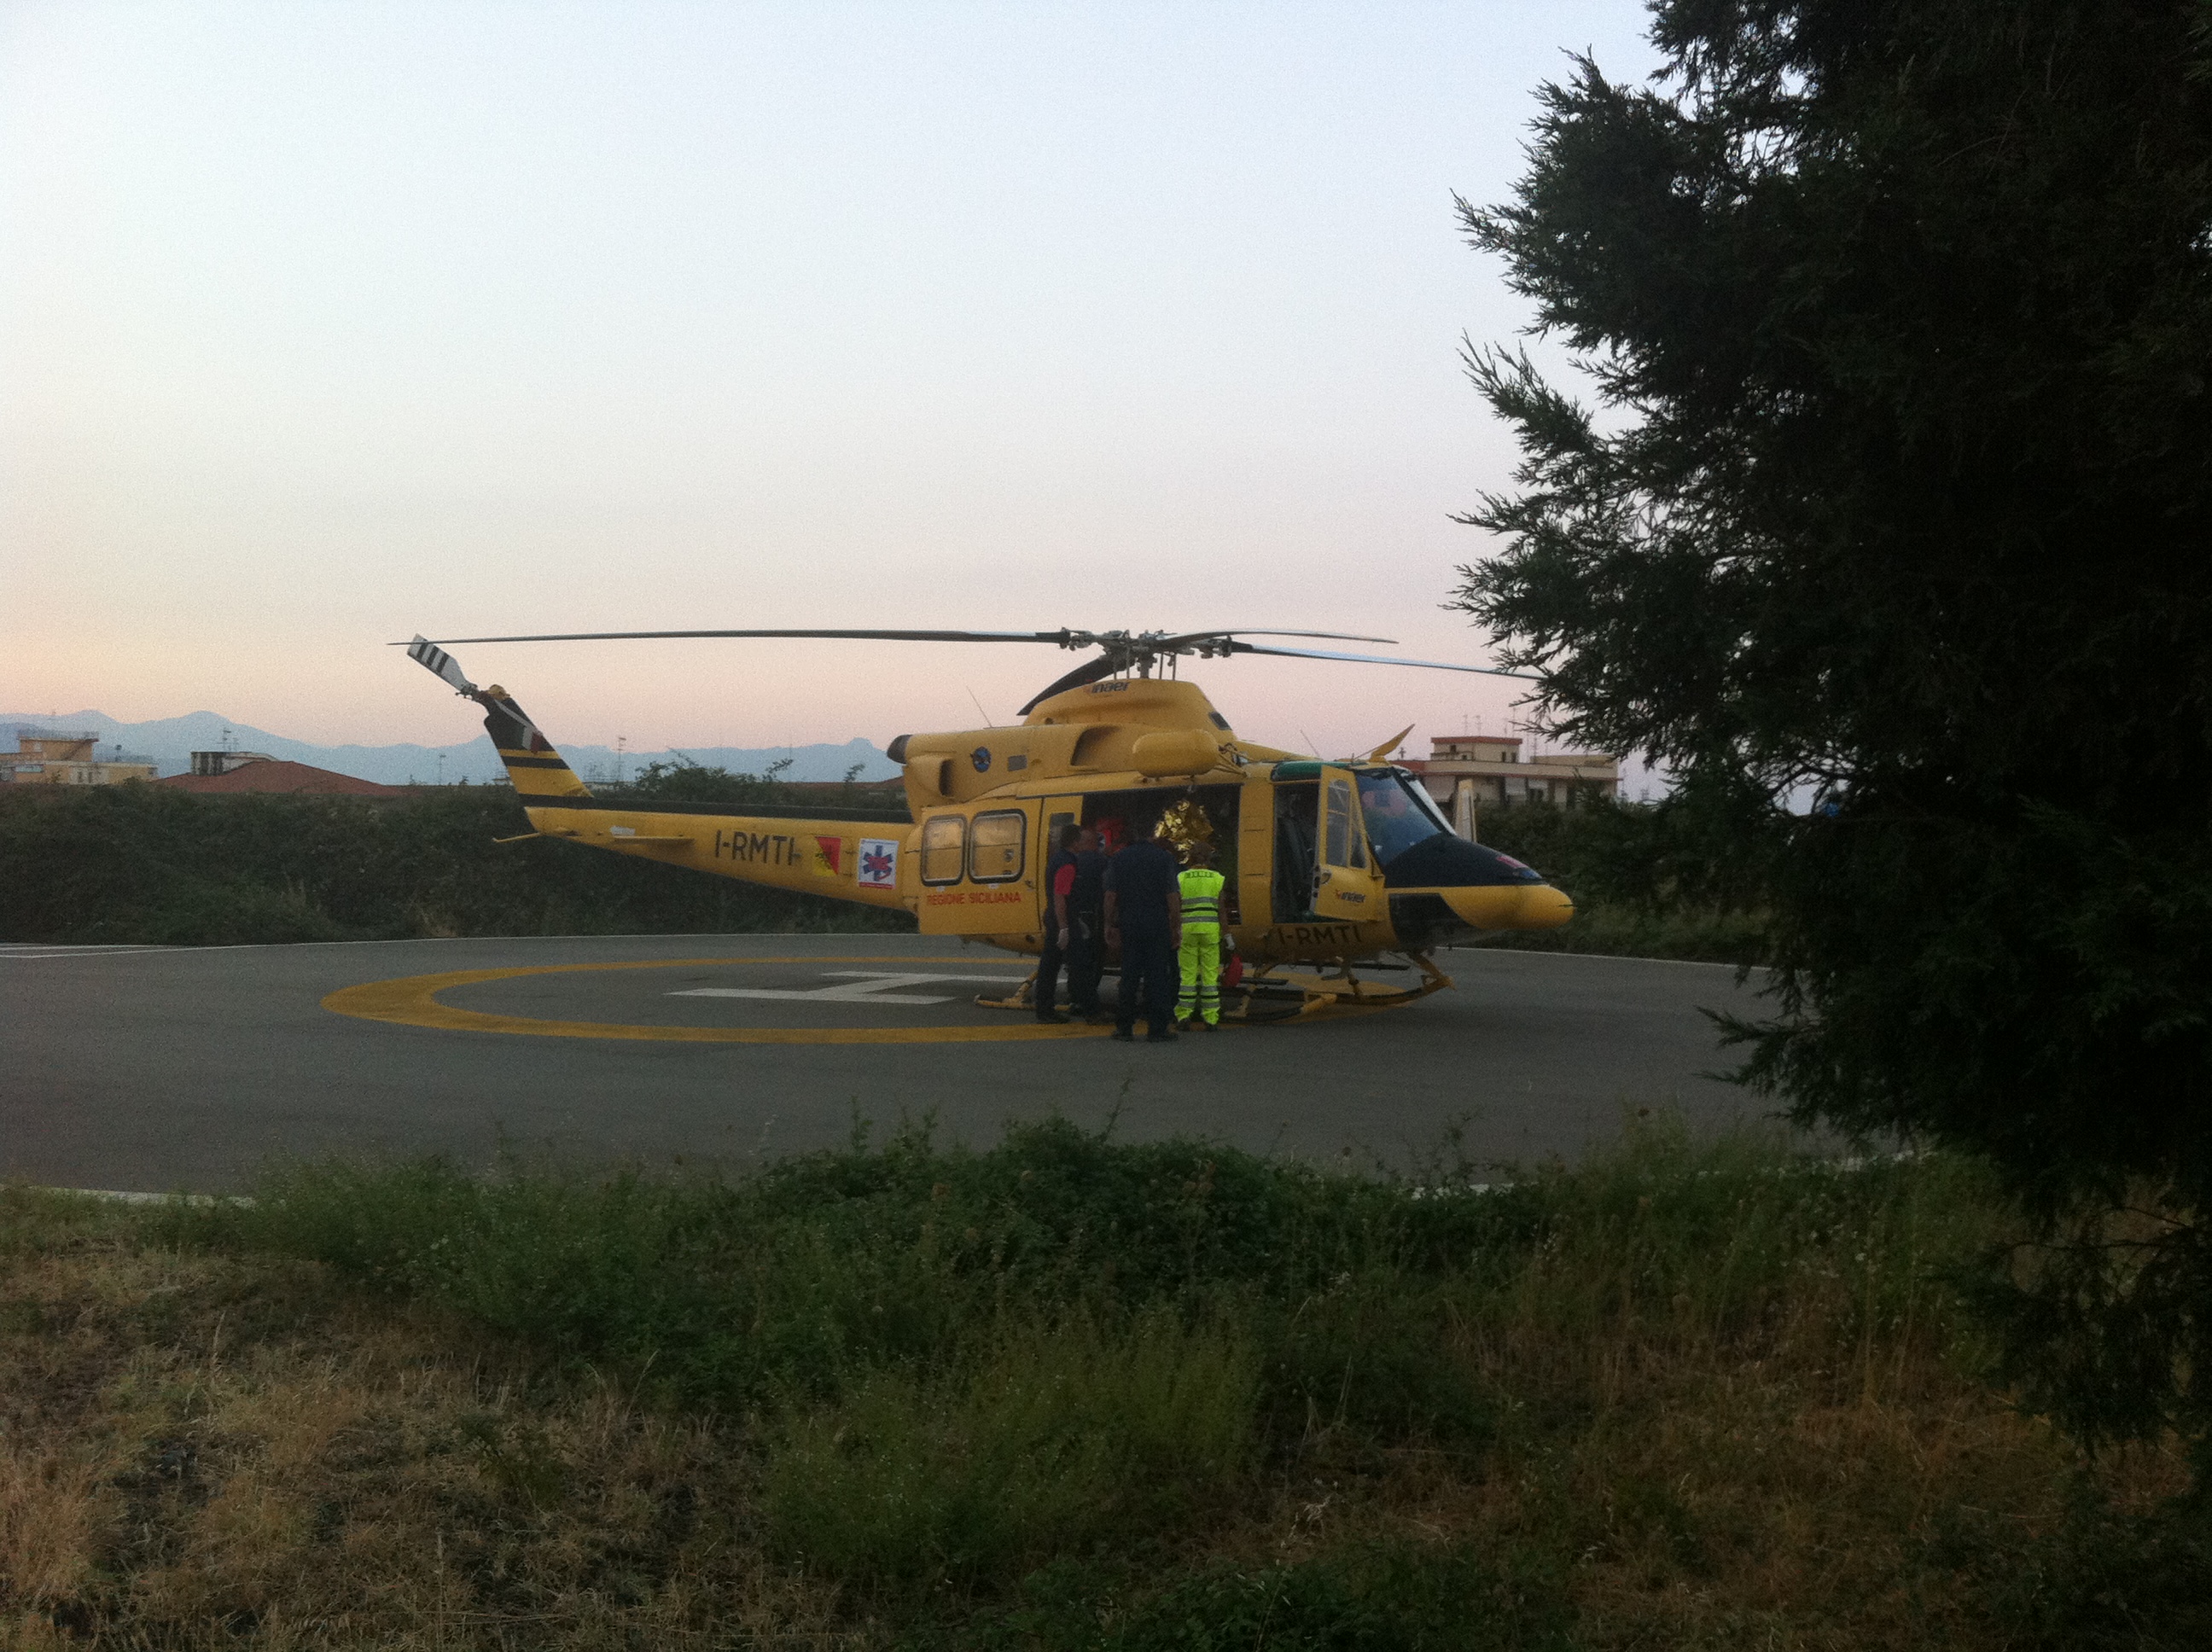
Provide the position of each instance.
(1060, 924)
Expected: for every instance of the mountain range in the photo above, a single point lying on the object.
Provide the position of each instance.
(169, 742)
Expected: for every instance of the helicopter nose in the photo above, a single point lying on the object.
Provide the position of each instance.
(1517, 906)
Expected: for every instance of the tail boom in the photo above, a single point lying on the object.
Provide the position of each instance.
(842, 860)
(839, 859)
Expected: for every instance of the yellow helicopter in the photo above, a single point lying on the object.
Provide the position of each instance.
(1330, 863)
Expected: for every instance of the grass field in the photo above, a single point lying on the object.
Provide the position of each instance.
(1064, 1393)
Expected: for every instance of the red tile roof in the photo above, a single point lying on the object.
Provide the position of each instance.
(275, 775)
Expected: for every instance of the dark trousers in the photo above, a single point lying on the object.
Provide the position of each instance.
(1150, 977)
(1046, 987)
(1086, 961)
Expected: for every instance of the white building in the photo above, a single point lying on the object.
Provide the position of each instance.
(1467, 774)
(44, 758)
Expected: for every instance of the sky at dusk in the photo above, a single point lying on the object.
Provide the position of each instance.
(323, 324)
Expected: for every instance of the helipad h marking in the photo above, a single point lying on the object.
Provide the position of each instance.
(874, 987)
(412, 1001)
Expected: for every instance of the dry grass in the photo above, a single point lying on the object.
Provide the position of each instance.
(202, 1450)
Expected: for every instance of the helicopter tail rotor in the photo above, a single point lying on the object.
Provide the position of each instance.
(536, 770)
(435, 659)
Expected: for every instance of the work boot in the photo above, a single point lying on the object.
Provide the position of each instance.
(1211, 1026)
(1162, 1036)
(1053, 1016)
(1125, 1035)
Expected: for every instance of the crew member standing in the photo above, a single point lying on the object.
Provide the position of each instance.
(1200, 951)
(1061, 866)
(1144, 917)
(1078, 902)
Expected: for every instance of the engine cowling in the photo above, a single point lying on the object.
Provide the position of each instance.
(1175, 751)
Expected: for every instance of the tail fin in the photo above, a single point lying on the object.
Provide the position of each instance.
(540, 773)
(536, 770)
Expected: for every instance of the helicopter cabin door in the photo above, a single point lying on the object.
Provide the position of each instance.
(980, 868)
(1347, 883)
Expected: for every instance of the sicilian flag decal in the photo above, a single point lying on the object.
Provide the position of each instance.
(878, 867)
(828, 856)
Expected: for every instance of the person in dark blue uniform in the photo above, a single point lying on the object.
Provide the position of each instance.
(1144, 916)
(1080, 903)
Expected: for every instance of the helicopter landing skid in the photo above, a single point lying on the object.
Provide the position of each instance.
(1021, 998)
(1278, 994)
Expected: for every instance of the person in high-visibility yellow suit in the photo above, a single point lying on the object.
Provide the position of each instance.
(1201, 939)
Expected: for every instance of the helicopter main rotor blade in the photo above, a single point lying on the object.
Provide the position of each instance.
(1059, 639)
(1381, 659)
(1088, 671)
(1243, 631)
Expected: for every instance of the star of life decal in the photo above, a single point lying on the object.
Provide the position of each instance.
(879, 863)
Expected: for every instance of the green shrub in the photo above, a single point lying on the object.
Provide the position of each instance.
(1145, 1396)
(835, 1265)
(148, 865)
(1375, 1597)
(1056, 1434)
(2101, 1578)
(1376, 1354)
(1641, 887)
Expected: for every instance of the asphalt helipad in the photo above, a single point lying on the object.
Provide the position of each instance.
(154, 1069)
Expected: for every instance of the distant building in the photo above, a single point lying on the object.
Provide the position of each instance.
(1469, 773)
(232, 772)
(43, 758)
(221, 763)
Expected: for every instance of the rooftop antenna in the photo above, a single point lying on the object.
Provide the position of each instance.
(979, 712)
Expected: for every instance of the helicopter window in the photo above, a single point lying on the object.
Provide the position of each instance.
(1399, 812)
(1340, 844)
(944, 841)
(995, 852)
(1292, 893)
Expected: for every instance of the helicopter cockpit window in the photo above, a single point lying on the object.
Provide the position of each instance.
(1399, 811)
(944, 846)
(995, 852)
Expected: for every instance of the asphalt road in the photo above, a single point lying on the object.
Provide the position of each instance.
(161, 1069)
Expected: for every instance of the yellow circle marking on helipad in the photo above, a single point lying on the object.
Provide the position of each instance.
(412, 1001)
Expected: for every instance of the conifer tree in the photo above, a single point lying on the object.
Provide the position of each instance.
(1895, 495)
